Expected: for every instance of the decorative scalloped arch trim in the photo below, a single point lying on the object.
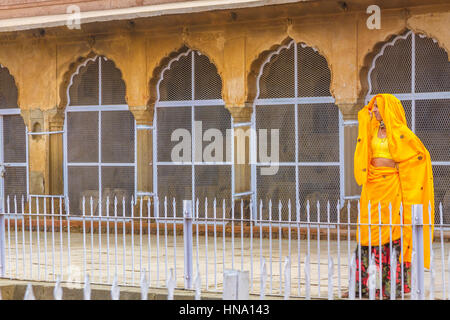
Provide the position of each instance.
(175, 59)
(392, 42)
(277, 52)
(374, 60)
(90, 57)
(77, 71)
(166, 68)
(266, 61)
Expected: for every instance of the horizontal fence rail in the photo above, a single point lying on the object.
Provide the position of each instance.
(288, 251)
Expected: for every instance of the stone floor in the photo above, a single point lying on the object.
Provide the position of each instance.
(125, 255)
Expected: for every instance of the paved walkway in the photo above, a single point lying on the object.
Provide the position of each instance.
(102, 257)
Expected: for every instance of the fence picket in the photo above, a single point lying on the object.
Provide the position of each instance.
(287, 277)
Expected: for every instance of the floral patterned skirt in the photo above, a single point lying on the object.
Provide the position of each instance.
(385, 272)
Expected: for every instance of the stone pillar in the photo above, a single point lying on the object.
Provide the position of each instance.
(350, 136)
(56, 151)
(45, 155)
(133, 59)
(144, 136)
(234, 93)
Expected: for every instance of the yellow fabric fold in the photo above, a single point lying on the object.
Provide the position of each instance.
(414, 170)
(382, 190)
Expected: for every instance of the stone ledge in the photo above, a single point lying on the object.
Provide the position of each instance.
(15, 290)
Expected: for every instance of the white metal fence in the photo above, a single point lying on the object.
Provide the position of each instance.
(40, 239)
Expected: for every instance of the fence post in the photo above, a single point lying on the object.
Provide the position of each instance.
(417, 222)
(230, 284)
(187, 234)
(2, 245)
(235, 285)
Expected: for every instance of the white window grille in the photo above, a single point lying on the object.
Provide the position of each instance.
(100, 137)
(417, 71)
(293, 96)
(13, 141)
(189, 92)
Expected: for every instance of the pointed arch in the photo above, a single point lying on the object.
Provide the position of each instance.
(77, 68)
(292, 95)
(99, 138)
(14, 142)
(258, 65)
(8, 89)
(163, 70)
(187, 91)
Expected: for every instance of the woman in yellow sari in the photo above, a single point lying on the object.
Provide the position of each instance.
(394, 168)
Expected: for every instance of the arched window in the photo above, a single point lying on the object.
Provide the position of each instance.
(293, 97)
(99, 140)
(190, 105)
(422, 82)
(13, 141)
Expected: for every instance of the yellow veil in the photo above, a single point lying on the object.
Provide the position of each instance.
(414, 164)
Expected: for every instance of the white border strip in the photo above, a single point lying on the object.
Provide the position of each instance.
(300, 164)
(97, 108)
(99, 164)
(299, 100)
(190, 163)
(9, 111)
(348, 123)
(43, 133)
(188, 103)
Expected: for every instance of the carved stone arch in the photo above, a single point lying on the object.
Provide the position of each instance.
(265, 56)
(432, 28)
(23, 113)
(257, 66)
(369, 57)
(214, 53)
(323, 51)
(171, 81)
(158, 74)
(165, 64)
(299, 122)
(74, 69)
(67, 78)
(378, 51)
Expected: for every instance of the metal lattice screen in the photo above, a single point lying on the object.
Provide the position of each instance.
(422, 82)
(13, 140)
(294, 97)
(190, 98)
(100, 138)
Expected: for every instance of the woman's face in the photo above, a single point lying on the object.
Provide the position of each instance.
(376, 112)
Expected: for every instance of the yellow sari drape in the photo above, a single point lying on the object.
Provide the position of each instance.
(411, 184)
